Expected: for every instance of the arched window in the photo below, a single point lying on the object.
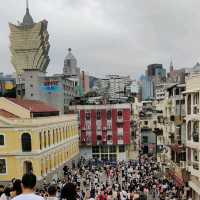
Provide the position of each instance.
(45, 139)
(53, 136)
(189, 104)
(189, 130)
(26, 142)
(40, 135)
(195, 133)
(49, 138)
(57, 139)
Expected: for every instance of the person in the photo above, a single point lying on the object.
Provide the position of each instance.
(52, 191)
(28, 188)
(1, 189)
(16, 189)
(6, 194)
(68, 192)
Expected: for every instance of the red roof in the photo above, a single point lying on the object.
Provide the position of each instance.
(7, 114)
(34, 105)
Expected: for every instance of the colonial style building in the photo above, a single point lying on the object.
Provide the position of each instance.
(105, 131)
(29, 44)
(192, 130)
(34, 137)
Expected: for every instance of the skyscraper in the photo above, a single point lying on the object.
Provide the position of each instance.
(29, 44)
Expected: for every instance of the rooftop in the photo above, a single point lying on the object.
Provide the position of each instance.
(7, 114)
(34, 106)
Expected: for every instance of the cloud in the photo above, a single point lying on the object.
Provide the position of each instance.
(111, 36)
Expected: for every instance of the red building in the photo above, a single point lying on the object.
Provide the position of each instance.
(105, 131)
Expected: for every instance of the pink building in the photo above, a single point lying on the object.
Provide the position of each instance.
(105, 131)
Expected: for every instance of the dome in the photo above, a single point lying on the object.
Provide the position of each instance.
(27, 20)
(70, 56)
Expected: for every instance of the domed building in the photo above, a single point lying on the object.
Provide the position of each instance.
(70, 65)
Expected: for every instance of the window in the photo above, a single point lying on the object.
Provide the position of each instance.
(2, 166)
(1, 140)
(98, 115)
(109, 137)
(95, 149)
(112, 149)
(26, 142)
(32, 94)
(45, 140)
(189, 127)
(177, 91)
(95, 156)
(68, 62)
(40, 135)
(145, 122)
(49, 138)
(189, 104)
(119, 114)
(121, 148)
(145, 139)
(99, 137)
(109, 114)
(104, 149)
(87, 116)
(31, 85)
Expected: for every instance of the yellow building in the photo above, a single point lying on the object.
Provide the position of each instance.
(34, 137)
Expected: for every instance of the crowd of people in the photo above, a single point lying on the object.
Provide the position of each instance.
(92, 180)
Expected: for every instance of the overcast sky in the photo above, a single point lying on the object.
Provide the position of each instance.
(111, 36)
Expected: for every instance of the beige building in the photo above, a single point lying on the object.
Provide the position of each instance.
(34, 137)
(192, 133)
(29, 44)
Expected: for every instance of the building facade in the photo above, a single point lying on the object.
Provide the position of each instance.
(70, 68)
(113, 86)
(105, 131)
(192, 133)
(56, 90)
(35, 138)
(85, 82)
(29, 44)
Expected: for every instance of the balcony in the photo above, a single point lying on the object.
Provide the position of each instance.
(195, 110)
(109, 132)
(195, 165)
(120, 120)
(120, 141)
(120, 132)
(99, 133)
(109, 142)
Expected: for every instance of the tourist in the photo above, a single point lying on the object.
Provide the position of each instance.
(28, 188)
(52, 192)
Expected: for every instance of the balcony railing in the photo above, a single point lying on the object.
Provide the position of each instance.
(195, 136)
(195, 165)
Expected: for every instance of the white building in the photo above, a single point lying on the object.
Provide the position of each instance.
(114, 86)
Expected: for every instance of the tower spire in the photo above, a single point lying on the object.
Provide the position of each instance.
(27, 20)
(27, 5)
